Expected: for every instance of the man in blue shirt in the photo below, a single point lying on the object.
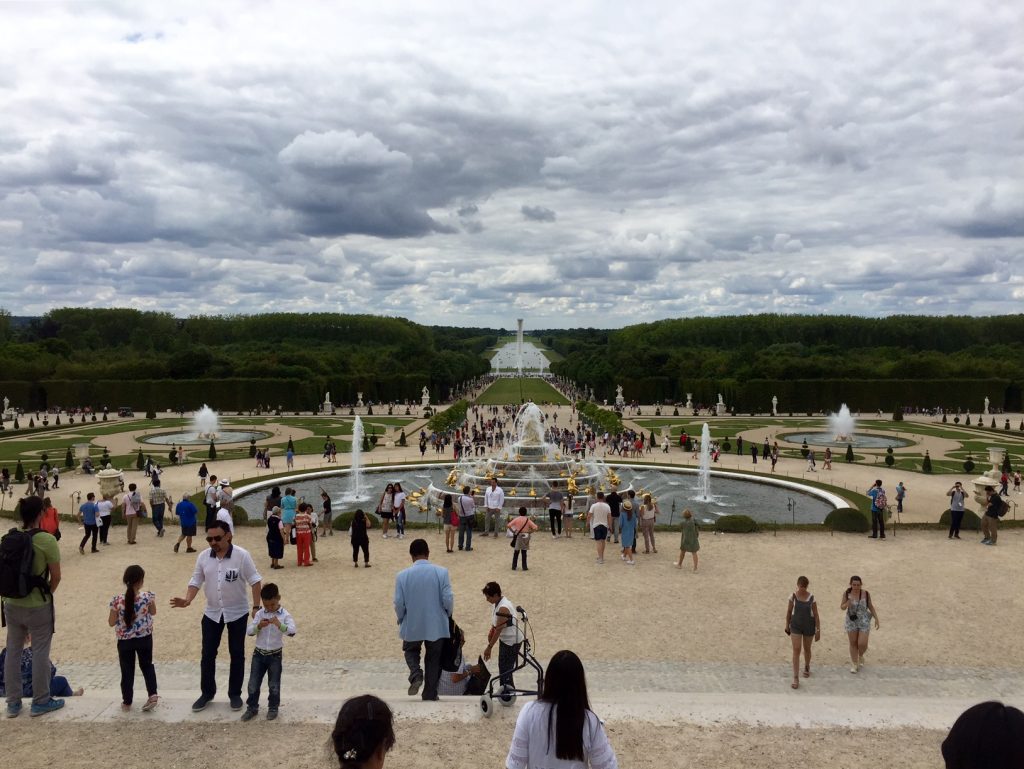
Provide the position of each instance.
(187, 514)
(87, 515)
(879, 505)
(423, 604)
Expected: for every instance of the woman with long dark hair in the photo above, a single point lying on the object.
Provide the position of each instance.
(359, 538)
(363, 733)
(386, 507)
(131, 616)
(559, 730)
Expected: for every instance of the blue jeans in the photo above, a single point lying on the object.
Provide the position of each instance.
(269, 665)
(466, 532)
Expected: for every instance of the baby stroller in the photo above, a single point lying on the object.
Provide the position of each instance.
(507, 695)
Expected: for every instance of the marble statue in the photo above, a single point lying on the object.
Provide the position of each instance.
(775, 405)
(425, 399)
(359, 400)
(986, 404)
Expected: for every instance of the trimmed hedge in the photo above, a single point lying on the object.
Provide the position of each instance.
(849, 520)
(343, 521)
(736, 524)
(449, 419)
(600, 420)
(971, 520)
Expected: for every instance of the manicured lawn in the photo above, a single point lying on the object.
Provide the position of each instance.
(504, 391)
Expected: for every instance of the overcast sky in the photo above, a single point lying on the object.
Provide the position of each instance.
(594, 164)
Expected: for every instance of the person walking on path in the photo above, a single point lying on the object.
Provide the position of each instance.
(503, 632)
(994, 510)
(360, 539)
(857, 621)
(599, 517)
(494, 500)
(451, 522)
(467, 519)
(105, 508)
(957, 497)
(690, 542)
(227, 575)
(188, 516)
(648, 517)
(879, 507)
(803, 626)
(133, 509)
(521, 527)
(901, 493)
(614, 501)
(424, 603)
(157, 505)
(31, 614)
(627, 531)
(87, 515)
(131, 616)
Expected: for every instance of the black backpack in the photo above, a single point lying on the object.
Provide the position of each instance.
(17, 579)
(451, 649)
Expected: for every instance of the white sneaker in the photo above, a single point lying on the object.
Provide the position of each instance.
(630, 563)
(853, 668)
(385, 536)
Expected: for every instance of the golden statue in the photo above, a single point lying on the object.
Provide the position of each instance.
(453, 478)
(571, 485)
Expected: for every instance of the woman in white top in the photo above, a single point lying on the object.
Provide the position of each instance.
(503, 632)
(559, 730)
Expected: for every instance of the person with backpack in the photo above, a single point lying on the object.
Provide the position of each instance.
(995, 510)
(29, 575)
(879, 505)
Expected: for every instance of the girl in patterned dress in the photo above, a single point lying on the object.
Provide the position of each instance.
(859, 612)
(131, 616)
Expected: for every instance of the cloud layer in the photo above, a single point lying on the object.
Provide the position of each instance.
(585, 164)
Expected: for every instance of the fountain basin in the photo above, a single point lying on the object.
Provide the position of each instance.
(194, 438)
(859, 440)
(675, 488)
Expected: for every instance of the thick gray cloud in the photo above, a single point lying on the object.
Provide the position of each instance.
(702, 158)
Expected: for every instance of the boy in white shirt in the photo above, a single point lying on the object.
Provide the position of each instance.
(270, 625)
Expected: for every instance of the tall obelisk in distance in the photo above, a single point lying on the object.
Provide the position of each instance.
(519, 347)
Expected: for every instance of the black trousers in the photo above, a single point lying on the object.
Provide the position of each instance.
(128, 650)
(877, 523)
(211, 514)
(104, 528)
(515, 558)
(556, 521)
(508, 656)
(90, 531)
(212, 634)
(356, 547)
(956, 517)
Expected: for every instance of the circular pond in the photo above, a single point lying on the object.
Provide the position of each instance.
(193, 438)
(858, 441)
(675, 490)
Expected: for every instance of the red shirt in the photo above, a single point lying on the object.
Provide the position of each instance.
(49, 522)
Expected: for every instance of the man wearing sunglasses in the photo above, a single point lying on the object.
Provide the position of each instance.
(229, 578)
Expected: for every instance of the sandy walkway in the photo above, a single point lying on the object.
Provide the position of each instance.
(688, 669)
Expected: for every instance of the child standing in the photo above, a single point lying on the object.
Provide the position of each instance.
(275, 538)
(690, 542)
(131, 616)
(271, 623)
(303, 534)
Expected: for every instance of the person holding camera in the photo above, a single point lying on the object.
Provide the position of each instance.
(859, 613)
(957, 497)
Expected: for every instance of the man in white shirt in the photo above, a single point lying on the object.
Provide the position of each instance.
(227, 575)
(494, 498)
(599, 517)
